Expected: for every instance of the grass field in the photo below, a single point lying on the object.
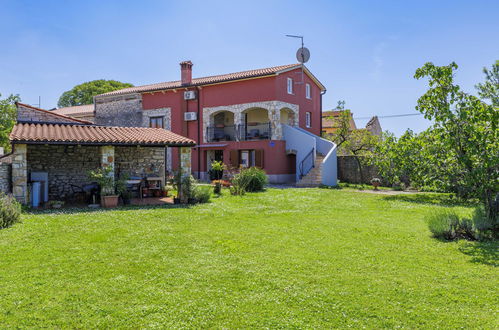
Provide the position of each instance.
(283, 258)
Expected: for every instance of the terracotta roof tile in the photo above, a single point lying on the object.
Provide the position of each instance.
(79, 109)
(204, 80)
(89, 134)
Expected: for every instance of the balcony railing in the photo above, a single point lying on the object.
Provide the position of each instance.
(221, 133)
(247, 132)
(259, 131)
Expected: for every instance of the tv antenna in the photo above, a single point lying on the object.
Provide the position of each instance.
(302, 54)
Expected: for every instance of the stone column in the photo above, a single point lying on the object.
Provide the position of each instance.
(107, 158)
(20, 173)
(275, 122)
(185, 167)
(238, 123)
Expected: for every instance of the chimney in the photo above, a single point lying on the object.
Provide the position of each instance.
(186, 72)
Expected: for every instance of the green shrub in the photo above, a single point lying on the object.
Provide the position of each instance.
(10, 211)
(238, 185)
(442, 224)
(485, 228)
(254, 179)
(202, 194)
(447, 225)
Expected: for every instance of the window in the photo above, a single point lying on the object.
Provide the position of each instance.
(156, 122)
(246, 158)
(290, 86)
(307, 91)
(308, 120)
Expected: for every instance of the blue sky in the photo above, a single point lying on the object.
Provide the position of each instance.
(364, 52)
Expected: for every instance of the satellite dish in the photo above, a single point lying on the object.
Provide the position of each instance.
(303, 55)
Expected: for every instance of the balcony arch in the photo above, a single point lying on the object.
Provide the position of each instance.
(221, 127)
(255, 124)
(287, 116)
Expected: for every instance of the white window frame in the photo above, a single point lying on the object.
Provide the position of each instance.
(308, 119)
(290, 86)
(307, 91)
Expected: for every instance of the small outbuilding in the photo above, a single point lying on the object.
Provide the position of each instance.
(66, 149)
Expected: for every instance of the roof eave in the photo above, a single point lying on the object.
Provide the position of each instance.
(89, 143)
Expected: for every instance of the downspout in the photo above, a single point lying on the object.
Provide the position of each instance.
(320, 120)
(199, 132)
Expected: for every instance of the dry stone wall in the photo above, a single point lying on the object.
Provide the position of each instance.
(5, 178)
(28, 114)
(348, 171)
(67, 166)
(139, 161)
(123, 110)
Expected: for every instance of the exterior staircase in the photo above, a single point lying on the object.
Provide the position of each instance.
(314, 177)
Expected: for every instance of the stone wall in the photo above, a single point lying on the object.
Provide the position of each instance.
(5, 178)
(123, 110)
(29, 114)
(139, 161)
(66, 166)
(348, 170)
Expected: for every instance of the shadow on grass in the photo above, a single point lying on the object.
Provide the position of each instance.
(75, 210)
(430, 199)
(486, 253)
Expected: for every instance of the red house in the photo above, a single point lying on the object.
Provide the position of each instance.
(270, 118)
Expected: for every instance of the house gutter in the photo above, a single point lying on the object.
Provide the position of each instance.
(320, 121)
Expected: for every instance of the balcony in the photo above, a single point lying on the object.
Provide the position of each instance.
(221, 133)
(255, 131)
(245, 132)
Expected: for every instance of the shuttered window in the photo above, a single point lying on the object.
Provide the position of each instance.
(247, 158)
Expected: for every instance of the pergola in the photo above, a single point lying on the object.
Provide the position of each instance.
(105, 141)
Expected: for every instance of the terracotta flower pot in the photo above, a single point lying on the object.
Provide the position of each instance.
(109, 201)
(375, 185)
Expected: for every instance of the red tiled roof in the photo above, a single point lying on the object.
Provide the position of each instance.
(54, 113)
(205, 80)
(78, 109)
(88, 134)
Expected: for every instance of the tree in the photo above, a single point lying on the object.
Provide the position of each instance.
(465, 127)
(490, 88)
(352, 142)
(84, 93)
(8, 116)
(359, 143)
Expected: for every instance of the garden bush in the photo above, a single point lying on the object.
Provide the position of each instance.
(253, 179)
(485, 228)
(447, 225)
(10, 211)
(202, 194)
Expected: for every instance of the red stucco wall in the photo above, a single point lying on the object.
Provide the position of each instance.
(245, 91)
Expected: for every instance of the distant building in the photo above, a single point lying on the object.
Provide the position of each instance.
(82, 112)
(329, 124)
(374, 126)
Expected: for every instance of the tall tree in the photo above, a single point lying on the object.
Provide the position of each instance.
(8, 116)
(466, 127)
(84, 93)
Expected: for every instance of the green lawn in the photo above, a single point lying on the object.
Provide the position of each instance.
(283, 258)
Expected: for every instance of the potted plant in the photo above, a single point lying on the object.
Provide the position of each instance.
(167, 188)
(217, 170)
(376, 182)
(104, 177)
(217, 189)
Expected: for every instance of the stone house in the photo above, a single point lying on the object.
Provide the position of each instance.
(66, 149)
